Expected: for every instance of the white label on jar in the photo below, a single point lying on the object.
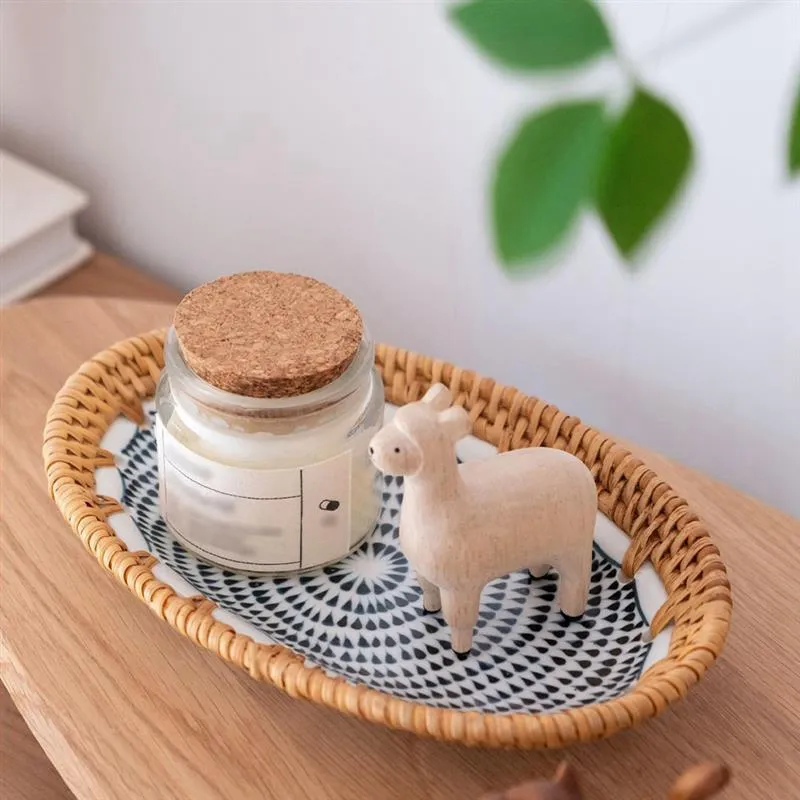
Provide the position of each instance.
(255, 520)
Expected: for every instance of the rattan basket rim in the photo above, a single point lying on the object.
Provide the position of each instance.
(661, 526)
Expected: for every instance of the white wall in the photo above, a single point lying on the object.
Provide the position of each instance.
(352, 141)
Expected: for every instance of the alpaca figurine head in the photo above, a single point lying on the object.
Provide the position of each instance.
(419, 431)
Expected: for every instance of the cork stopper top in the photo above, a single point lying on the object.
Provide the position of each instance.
(268, 334)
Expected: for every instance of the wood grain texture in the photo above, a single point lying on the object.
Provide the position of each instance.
(104, 275)
(25, 771)
(126, 708)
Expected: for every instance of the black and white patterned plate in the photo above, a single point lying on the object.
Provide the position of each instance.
(362, 617)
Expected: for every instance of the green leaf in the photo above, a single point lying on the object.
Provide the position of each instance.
(544, 176)
(535, 34)
(647, 158)
(794, 137)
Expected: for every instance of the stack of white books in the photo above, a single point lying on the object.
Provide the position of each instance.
(38, 242)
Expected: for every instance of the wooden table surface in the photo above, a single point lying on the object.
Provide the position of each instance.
(124, 707)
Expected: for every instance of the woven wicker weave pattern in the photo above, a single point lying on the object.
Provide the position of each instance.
(660, 524)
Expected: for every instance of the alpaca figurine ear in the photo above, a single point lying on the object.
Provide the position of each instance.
(438, 397)
(566, 778)
(455, 422)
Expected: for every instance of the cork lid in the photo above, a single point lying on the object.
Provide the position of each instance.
(268, 334)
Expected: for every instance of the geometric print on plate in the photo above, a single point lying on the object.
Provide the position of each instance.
(362, 618)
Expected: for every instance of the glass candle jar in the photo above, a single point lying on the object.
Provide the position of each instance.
(268, 485)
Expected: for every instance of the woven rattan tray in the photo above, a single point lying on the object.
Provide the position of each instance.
(533, 683)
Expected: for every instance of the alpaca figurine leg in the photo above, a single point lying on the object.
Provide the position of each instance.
(460, 608)
(573, 586)
(431, 600)
(538, 571)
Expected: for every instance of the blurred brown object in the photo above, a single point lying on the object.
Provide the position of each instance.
(564, 786)
(699, 782)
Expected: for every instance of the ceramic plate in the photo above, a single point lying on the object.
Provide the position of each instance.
(362, 617)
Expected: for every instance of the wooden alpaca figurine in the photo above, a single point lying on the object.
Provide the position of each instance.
(461, 526)
(700, 782)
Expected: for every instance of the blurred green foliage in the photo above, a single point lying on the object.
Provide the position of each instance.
(629, 165)
(794, 137)
(544, 178)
